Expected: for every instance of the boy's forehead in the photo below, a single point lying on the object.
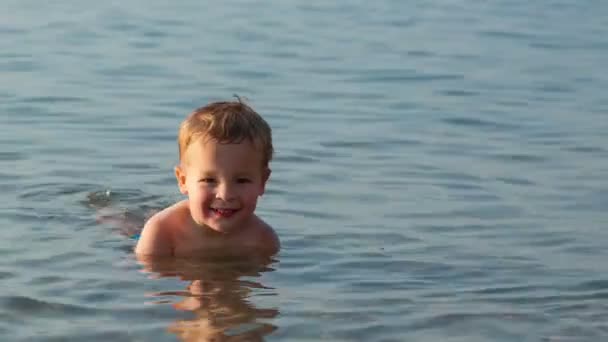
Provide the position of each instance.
(208, 147)
(207, 144)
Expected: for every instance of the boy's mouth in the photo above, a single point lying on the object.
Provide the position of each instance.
(223, 212)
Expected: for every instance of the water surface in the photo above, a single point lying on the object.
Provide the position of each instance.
(440, 170)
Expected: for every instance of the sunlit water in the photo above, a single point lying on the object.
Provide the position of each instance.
(441, 168)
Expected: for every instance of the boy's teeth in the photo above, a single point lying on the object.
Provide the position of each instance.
(223, 211)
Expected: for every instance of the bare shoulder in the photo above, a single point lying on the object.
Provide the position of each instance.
(157, 235)
(267, 237)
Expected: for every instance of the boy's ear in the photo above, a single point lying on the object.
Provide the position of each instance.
(265, 177)
(180, 176)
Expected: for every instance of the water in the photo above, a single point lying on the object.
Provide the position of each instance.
(440, 170)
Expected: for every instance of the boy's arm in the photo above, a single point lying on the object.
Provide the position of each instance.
(154, 239)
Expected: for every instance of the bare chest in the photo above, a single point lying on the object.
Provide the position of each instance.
(194, 243)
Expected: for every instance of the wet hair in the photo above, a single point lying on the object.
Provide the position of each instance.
(229, 122)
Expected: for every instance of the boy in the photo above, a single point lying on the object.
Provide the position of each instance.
(224, 152)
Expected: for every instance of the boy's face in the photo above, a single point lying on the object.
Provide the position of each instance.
(222, 182)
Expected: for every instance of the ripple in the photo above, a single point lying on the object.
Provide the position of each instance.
(135, 166)
(54, 99)
(519, 157)
(20, 65)
(94, 336)
(296, 158)
(11, 30)
(46, 191)
(6, 275)
(479, 123)
(457, 318)
(373, 145)
(311, 214)
(548, 45)
(516, 181)
(65, 258)
(586, 149)
(524, 289)
(46, 280)
(137, 71)
(556, 88)
(36, 307)
(421, 53)
(591, 285)
(561, 299)
(12, 156)
(484, 212)
(252, 74)
(396, 76)
(108, 197)
(459, 93)
(508, 35)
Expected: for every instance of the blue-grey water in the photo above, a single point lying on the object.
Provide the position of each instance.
(441, 170)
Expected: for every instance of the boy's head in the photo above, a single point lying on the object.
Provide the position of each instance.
(226, 122)
(224, 148)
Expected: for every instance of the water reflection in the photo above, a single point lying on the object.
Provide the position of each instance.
(221, 287)
(219, 296)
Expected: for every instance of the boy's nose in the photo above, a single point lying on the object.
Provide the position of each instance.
(225, 192)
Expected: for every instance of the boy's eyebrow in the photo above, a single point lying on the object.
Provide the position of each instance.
(243, 174)
(204, 173)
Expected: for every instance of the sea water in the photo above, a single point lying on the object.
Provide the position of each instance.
(440, 172)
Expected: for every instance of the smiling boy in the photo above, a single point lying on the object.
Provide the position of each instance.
(224, 152)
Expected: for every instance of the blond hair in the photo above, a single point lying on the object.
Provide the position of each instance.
(226, 122)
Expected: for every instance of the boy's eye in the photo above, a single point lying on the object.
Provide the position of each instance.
(243, 180)
(207, 180)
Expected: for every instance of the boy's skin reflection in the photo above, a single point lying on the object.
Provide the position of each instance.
(217, 296)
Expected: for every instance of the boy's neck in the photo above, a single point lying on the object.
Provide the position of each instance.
(209, 232)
